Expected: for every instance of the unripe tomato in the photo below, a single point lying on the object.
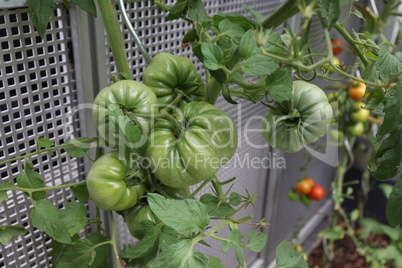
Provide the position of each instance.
(356, 90)
(355, 129)
(336, 46)
(359, 114)
(304, 187)
(337, 135)
(317, 193)
(329, 68)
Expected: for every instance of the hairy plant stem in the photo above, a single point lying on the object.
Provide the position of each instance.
(115, 36)
(200, 187)
(341, 30)
(33, 190)
(89, 140)
(114, 240)
(281, 15)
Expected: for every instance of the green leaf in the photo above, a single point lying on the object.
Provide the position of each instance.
(369, 225)
(216, 208)
(179, 9)
(388, 66)
(77, 148)
(394, 205)
(180, 255)
(184, 216)
(245, 22)
(40, 11)
(376, 96)
(86, 5)
(74, 217)
(387, 161)
(332, 233)
(226, 94)
(253, 96)
(306, 200)
(196, 11)
(248, 44)
(46, 218)
(58, 249)
(147, 248)
(8, 232)
(259, 65)
(225, 246)
(354, 215)
(358, 14)
(386, 189)
(127, 134)
(235, 199)
(236, 238)
(81, 193)
(102, 252)
(213, 56)
(219, 75)
(44, 142)
(256, 241)
(215, 262)
(31, 179)
(330, 12)
(280, 85)
(257, 15)
(80, 253)
(232, 29)
(3, 193)
(287, 257)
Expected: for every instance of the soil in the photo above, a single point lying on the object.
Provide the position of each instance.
(346, 256)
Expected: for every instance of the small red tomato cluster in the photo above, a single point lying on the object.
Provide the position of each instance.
(307, 190)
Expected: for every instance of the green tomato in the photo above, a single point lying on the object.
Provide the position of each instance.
(112, 186)
(176, 193)
(302, 120)
(168, 75)
(137, 214)
(337, 136)
(131, 96)
(187, 154)
(327, 67)
(356, 129)
(359, 114)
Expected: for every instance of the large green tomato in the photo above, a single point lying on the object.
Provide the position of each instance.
(302, 120)
(137, 214)
(188, 153)
(168, 75)
(112, 186)
(132, 97)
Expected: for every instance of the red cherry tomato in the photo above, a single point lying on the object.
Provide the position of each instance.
(317, 192)
(336, 46)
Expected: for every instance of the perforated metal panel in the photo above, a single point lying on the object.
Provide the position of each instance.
(37, 92)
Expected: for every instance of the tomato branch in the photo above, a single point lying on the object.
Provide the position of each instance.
(281, 15)
(33, 190)
(89, 140)
(115, 36)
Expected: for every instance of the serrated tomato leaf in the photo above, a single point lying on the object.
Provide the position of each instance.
(8, 232)
(394, 205)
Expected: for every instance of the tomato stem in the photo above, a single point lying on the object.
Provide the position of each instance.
(33, 190)
(115, 36)
(200, 188)
(114, 241)
(281, 15)
(89, 140)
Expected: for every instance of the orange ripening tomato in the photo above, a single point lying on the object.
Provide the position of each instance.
(336, 46)
(311, 181)
(304, 187)
(317, 193)
(356, 91)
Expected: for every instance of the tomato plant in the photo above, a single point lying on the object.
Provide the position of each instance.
(171, 117)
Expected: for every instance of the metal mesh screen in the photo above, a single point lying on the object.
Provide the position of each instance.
(37, 91)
